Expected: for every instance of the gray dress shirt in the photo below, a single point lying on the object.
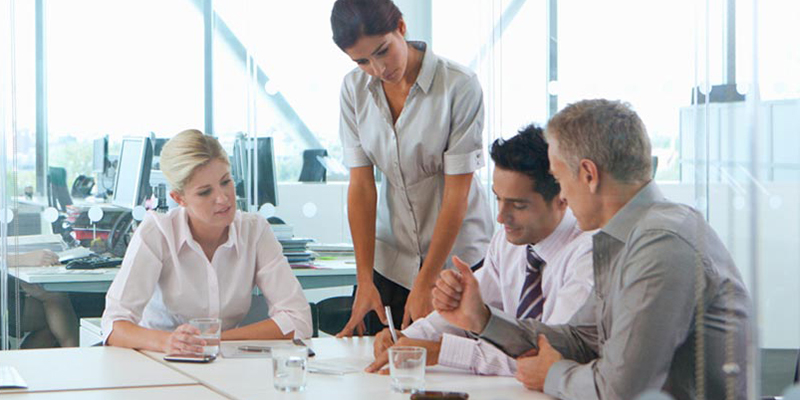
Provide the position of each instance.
(637, 330)
(440, 131)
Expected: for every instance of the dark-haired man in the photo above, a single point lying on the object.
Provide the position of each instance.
(539, 266)
(669, 311)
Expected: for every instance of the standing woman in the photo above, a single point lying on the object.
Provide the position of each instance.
(201, 259)
(419, 119)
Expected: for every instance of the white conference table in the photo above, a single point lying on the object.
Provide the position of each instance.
(251, 378)
(194, 392)
(115, 373)
(331, 273)
(69, 369)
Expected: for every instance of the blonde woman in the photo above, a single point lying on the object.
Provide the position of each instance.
(201, 259)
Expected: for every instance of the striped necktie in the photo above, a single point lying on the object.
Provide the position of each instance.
(531, 301)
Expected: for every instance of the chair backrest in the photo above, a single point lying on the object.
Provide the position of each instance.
(59, 194)
(332, 314)
(655, 166)
(313, 170)
(797, 369)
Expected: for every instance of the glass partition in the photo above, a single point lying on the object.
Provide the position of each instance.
(715, 81)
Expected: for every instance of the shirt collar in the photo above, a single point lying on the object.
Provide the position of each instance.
(426, 70)
(622, 223)
(548, 247)
(185, 233)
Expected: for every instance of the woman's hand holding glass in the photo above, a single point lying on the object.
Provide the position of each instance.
(184, 340)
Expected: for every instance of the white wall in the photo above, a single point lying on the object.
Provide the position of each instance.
(315, 210)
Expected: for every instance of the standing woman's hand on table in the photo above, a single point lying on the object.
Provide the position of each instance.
(419, 303)
(367, 299)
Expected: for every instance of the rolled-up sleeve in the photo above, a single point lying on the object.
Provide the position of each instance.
(288, 306)
(354, 155)
(137, 278)
(477, 356)
(464, 152)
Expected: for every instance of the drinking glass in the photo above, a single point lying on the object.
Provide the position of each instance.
(407, 368)
(289, 368)
(210, 329)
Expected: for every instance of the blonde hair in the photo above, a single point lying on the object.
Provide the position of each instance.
(186, 152)
(606, 132)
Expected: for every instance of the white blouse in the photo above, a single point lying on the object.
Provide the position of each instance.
(166, 279)
(439, 132)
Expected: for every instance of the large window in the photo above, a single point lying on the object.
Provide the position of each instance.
(24, 143)
(294, 80)
(119, 69)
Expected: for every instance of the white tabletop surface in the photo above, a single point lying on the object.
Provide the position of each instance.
(194, 392)
(252, 378)
(88, 368)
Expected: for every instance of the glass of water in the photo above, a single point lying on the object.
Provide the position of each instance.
(210, 329)
(407, 368)
(289, 368)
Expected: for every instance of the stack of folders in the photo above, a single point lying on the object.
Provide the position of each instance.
(332, 250)
(296, 251)
(282, 231)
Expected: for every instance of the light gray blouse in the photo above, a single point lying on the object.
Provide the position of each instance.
(438, 132)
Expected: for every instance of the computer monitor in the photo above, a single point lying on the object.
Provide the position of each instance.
(263, 183)
(100, 159)
(132, 184)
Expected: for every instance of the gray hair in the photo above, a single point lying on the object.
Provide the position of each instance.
(609, 133)
(186, 152)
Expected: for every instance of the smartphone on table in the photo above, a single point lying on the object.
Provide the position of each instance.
(190, 358)
(438, 395)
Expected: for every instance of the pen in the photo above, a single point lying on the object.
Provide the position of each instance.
(391, 323)
(324, 371)
(256, 349)
(299, 342)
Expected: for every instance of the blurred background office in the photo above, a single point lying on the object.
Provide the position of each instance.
(716, 82)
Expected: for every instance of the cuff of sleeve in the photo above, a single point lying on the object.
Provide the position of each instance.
(457, 164)
(286, 325)
(457, 352)
(355, 157)
(496, 326)
(552, 382)
(506, 334)
(105, 330)
(414, 331)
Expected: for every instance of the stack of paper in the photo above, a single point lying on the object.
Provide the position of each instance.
(332, 249)
(282, 231)
(296, 251)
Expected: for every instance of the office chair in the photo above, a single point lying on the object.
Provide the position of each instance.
(331, 315)
(797, 369)
(655, 166)
(59, 194)
(313, 170)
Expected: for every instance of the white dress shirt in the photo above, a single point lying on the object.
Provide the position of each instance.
(439, 132)
(166, 279)
(567, 280)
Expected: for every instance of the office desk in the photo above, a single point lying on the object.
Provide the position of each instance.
(59, 279)
(89, 368)
(251, 378)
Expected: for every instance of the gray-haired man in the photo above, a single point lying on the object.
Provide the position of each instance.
(659, 267)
